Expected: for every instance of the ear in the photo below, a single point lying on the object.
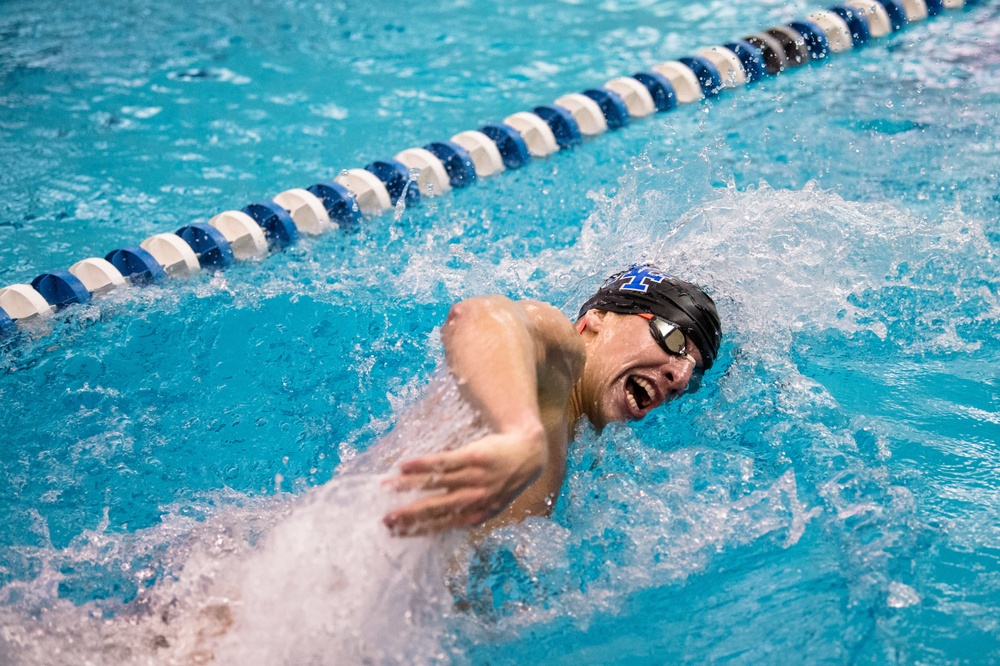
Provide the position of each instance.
(592, 320)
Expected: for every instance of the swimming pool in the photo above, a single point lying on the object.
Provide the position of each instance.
(826, 496)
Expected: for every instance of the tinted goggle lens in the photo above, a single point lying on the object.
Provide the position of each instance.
(668, 336)
(673, 341)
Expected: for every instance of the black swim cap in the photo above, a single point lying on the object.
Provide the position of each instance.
(644, 288)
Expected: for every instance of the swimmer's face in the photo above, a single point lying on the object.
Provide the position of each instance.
(628, 374)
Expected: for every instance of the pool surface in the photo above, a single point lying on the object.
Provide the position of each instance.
(828, 496)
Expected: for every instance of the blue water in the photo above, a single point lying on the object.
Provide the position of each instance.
(827, 496)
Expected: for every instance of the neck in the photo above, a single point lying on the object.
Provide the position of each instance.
(575, 405)
(579, 400)
(578, 409)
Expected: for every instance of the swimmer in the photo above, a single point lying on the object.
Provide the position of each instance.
(532, 374)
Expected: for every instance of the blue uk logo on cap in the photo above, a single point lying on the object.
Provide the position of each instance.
(635, 278)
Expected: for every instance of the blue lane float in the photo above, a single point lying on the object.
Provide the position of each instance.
(814, 38)
(860, 33)
(137, 265)
(209, 245)
(708, 75)
(659, 88)
(561, 122)
(61, 288)
(512, 147)
(456, 161)
(396, 177)
(751, 59)
(7, 325)
(612, 106)
(277, 224)
(339, 204)
(897, 15)
(441, 166)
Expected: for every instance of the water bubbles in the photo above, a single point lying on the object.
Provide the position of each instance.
(739, 470)
(901, 595)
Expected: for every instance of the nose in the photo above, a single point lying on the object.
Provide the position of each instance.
(678, 372)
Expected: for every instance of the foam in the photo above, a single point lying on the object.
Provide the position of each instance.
(763, 458)
(314, 578)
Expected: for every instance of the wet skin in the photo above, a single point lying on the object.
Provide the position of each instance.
(620, 348)
(532, 374)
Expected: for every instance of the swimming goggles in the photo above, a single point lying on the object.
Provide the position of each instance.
(672, 340)
(667, 334)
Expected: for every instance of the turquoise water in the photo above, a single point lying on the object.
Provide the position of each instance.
(828, 495)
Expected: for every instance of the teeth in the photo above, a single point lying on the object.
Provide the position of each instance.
(631, 401)
(646, 386)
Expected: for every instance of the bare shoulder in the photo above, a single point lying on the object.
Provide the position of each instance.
(559, 346)
(559, 351)
(543, 319)
(547, 319)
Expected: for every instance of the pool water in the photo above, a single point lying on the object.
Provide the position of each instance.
(828, 495)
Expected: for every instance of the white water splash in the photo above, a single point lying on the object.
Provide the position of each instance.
(314, 579)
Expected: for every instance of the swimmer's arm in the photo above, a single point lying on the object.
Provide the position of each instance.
(502, 352)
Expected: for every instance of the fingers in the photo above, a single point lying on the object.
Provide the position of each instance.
(461, 508)
(443, 462)
(437, 481)
(472, 481)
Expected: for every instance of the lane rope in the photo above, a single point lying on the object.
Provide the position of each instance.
(439, 167)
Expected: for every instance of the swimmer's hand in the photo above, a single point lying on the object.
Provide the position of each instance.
(480, 480)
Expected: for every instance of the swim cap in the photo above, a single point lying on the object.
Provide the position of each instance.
(644, 288)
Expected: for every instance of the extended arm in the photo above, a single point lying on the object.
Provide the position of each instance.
(516, 362)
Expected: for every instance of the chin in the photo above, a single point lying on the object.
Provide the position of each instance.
(609, 410)
(608, 416)
(599, 421)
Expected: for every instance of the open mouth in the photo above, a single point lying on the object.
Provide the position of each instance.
(639, 392)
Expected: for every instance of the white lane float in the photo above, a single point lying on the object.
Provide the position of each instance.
(368, 190)
(879, 23)
(432, 177)
(636, 96)
(245, 236)
(485, 155)
(728, 63)
(585, 111)
(97, 275)
(22, 301)
(173, 253)
(307, 211)
(838, 34)
(536, 133)
(685, 83)
(915, 10)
